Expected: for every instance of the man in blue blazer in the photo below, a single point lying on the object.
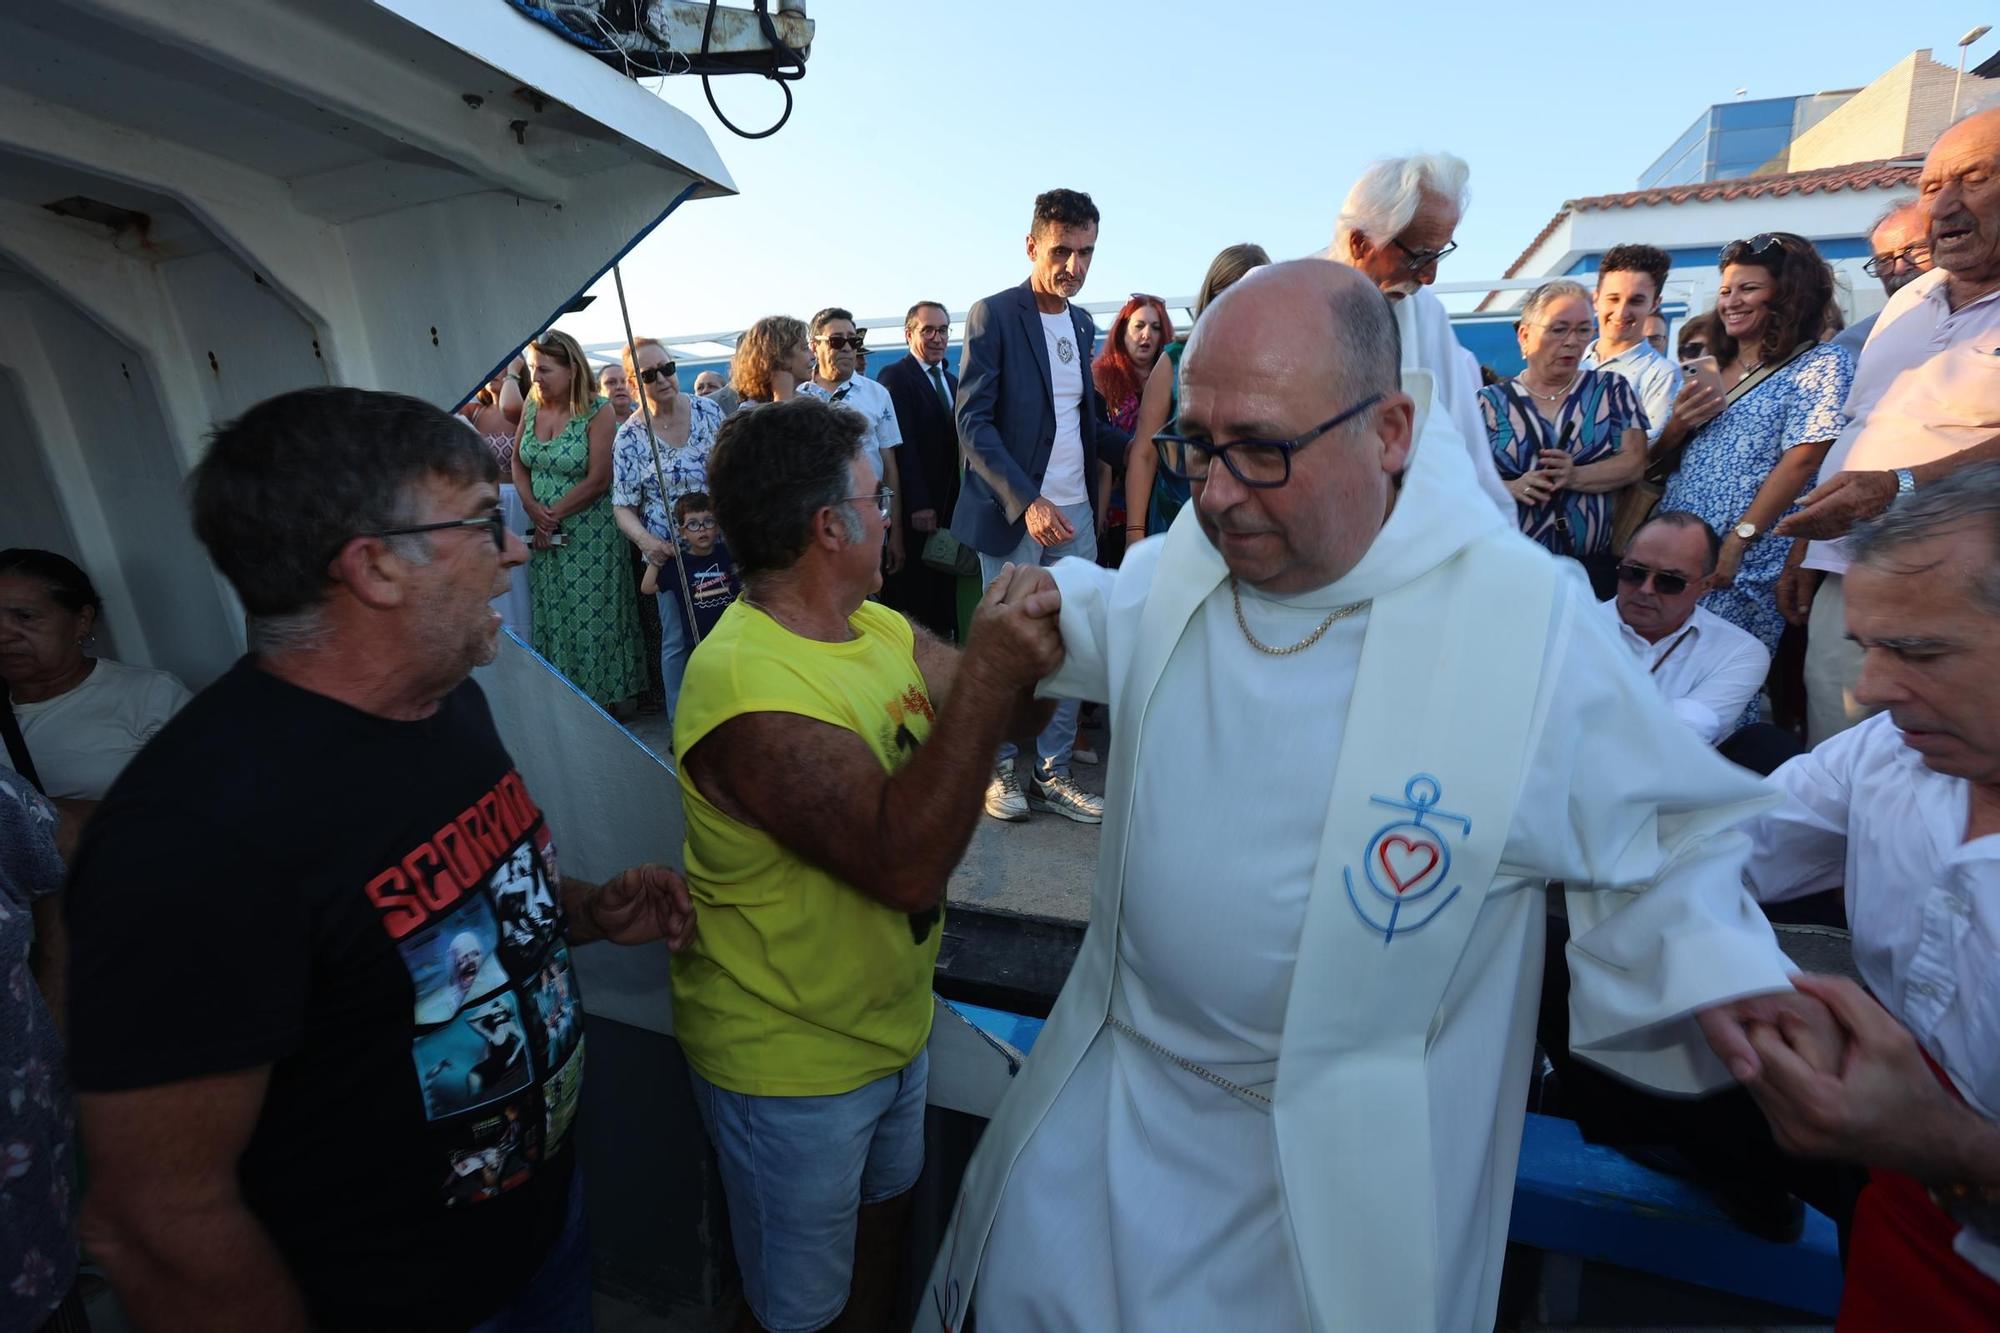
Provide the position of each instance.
(1032, 434)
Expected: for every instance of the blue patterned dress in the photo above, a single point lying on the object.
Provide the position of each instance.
(1726, 463)
(1600, 408)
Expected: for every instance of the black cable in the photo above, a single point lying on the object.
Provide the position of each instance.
(777, 73)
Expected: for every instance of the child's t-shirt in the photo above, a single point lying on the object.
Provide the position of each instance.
(711, 583)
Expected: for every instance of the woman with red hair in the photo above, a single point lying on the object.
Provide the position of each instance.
(1140, 332)
(1129, 354)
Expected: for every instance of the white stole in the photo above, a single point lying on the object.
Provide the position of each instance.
(1446, 664)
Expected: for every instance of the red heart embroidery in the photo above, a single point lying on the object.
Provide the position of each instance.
(1405, 872)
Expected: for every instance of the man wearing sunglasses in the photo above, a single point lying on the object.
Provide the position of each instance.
(283, 881)
(1925, 402)
(837, 345)
(1706, 669)
(1396, 227)
(1360, 723)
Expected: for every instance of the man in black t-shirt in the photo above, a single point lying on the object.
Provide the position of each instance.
(334, 904)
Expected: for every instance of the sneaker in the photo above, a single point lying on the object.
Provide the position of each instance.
(1061, 796)
(1083, 754)
(1003, 795)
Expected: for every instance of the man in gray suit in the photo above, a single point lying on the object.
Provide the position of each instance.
(1032, 434)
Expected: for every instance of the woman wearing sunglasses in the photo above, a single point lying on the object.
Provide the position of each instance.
(683, 429)
(1748, 453)
(586, 623)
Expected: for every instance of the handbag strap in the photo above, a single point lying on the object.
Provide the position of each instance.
(18, 757)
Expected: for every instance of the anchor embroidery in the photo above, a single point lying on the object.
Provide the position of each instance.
(1406, 863)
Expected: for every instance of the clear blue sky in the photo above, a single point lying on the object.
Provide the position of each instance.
(923, 132)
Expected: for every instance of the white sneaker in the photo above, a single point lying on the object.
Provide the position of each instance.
(1083, 754)
(1003, 794)
(1060, 795)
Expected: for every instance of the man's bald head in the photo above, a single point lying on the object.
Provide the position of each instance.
(1960, 188)
(1276, 357)
(1328, 311)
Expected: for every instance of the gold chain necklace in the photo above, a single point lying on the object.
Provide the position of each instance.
(1339, 613)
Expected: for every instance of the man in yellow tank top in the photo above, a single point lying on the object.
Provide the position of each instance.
(833, 762)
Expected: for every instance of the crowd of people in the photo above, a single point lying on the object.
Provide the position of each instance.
(1321, 562)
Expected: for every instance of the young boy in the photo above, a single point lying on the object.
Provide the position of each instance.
(711, 577)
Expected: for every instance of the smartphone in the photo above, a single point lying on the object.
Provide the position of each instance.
(1706, 370)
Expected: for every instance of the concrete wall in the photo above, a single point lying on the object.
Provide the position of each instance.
(1899, 115)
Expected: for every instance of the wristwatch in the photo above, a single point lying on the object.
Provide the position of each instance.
(1906, 482)
(1746, 531)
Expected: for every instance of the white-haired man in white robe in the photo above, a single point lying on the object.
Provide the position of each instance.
(1359, 723)
(1394, 226)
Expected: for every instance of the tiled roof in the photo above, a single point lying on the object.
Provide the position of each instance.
(1854, 176)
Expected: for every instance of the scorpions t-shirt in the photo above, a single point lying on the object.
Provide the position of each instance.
(372, 909)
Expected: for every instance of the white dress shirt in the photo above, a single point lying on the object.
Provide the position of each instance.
(1864, 811)
(875, 405)
(1927, 386)
(1708, 670)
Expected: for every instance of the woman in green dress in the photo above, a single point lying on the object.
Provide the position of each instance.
(586, 617)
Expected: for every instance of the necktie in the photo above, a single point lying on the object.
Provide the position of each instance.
(944, 394)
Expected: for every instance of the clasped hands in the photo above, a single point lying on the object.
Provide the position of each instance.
(1015, 639)
(1549, 475)
(1837, 1076)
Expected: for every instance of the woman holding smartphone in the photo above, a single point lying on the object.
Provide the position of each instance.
(1565, 439)
(1751, 435)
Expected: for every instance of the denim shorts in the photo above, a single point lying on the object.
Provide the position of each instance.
(795, 1171)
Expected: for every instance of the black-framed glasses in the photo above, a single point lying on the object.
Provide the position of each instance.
(881, 498)
(651, 373)
(1915, 255)
(854, 341)
(1416, 261)
(492, 520)
(1259, 464)
(1665, 582)
(698, 525)
(934, 330)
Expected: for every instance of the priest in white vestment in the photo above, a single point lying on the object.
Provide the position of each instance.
(1396, 223)
(1284, 1085)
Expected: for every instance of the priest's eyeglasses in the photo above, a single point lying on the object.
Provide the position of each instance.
(1258, 464)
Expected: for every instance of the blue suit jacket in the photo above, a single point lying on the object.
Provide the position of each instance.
(1007, 418)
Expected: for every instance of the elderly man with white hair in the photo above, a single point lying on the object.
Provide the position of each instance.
(1395, 225)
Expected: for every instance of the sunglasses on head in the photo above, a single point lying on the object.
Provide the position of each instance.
(1664, 583)
(556, 354)
(651, 373)
(1764, 247)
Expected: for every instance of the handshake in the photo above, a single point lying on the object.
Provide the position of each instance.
(1015, 638)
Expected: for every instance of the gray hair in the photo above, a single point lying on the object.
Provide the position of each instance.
(1367, 345)
(1550, 292)
(1390, 191)
(1969, 497)
(1891, 213)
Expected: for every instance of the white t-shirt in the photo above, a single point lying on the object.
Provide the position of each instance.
(1063, 480)
(81, 741)
(876, 407)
